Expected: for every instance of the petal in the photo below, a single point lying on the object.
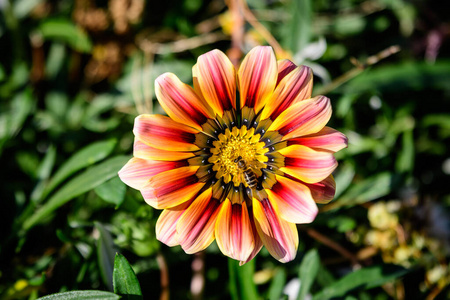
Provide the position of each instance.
(323, 191)
(302, 118)
(257, 77)
(326, 139)
(163, 133)
(256, 238)
(278, 235)
(137, 172)
(233, 231)
(306, 164)
(144, 151)
(171, 188)
(294, 87)
(294, 200)
(167, 224)
(285, 66)
(180, 101)
(215, 78)
(195, 228)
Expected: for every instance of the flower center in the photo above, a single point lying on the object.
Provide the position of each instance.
(237, 152)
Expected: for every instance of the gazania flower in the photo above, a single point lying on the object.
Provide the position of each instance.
(241, 158)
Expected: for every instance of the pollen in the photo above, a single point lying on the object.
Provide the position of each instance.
(235, 143)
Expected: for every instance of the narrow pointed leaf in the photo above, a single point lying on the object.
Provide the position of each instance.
(277, 285)
(79, 185)
(85, 295)
(308, 272)
(87, 156)
(112, 191)
(105, 253)
(364, 279)
(125, 281)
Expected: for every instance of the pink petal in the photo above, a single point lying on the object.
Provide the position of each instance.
(171, 188)
(278, 235)
(294, 87)
(181, 102)
(326, 139)
(137, 172)
(294, 201)
(167, 224)
(163, 133)
(285, 66)
(144, 151)
(233, 231)
(306, 164)
(257, 77)
(302, 118)
(195, 228)
(215, 79)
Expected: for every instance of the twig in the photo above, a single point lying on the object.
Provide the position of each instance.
(359, 67)
(182, 45)
(333, 245)
(164, 276)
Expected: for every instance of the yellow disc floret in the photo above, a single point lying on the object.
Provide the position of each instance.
(231, 145)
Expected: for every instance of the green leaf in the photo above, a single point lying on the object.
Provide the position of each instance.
(308, 271)
(277, 285)
(400, 77)
(79, 185)
(112, 191)
(241, 280)
(344, 177)
(125, 281)
(82, 295)
(298, 30)
(82, 159)
(105, 252)
(366, 190)
(405, 159)
(11, 121)
(67, 32)
(366, 278)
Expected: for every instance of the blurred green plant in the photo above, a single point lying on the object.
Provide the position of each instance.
(74, 74)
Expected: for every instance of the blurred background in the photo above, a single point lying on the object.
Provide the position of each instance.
(75, 74)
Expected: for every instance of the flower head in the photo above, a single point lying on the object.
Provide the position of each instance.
(241, 158)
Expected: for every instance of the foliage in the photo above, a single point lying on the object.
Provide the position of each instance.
(75, 74)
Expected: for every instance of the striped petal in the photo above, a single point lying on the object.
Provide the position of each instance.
(326, 139)
(163, 133)
(323, 191)
(285, 66)
(181, 102)
(195, 228)
(215, 79)
(233, 231)
(144, 151)
(304, 117)
(167, 224)
(278, 235)
(171, 188)
(257, 77)
(258, 242)
(137, 172)
(294, 201)
(306, 164)
(294, 87)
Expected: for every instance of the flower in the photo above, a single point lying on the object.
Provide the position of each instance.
(241, 158)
